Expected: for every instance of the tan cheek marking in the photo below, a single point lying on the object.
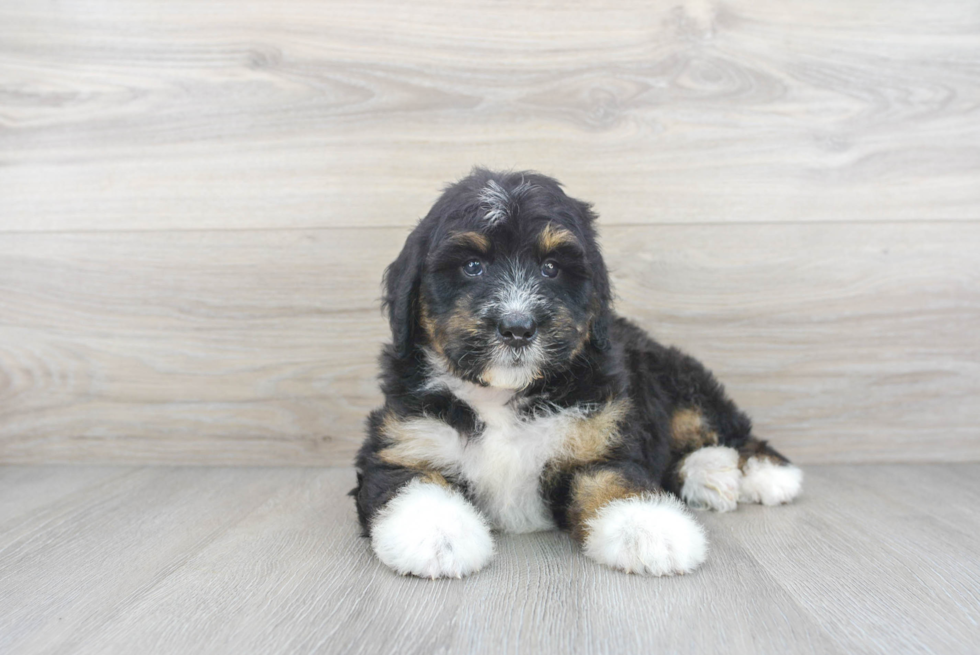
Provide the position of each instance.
(566, 325)
(429, 325)
(553, 237)
(462, 320)
(591, 439)
(595, 310)
(590, 493)
(688, 431)
(580, 345)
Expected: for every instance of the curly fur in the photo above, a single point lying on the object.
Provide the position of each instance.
(588, 424)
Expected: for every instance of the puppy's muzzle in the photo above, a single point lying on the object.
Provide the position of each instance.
(517, 330)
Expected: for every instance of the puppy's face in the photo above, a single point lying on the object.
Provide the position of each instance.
(510, 283)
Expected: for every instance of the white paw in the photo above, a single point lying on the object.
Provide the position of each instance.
(711, 478)
(769, 483)
(650, 534)
(431, 531)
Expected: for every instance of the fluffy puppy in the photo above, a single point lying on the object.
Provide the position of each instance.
(516, 400)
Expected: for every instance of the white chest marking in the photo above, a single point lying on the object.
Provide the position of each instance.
(503, 465)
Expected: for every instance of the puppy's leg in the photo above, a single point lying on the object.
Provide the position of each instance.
(710, 478)
(718, 477)
(425, 526)
(646, 531)
(767, 477)
(704, 474)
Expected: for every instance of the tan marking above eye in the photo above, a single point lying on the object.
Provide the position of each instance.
(473, 240)
(553, 237)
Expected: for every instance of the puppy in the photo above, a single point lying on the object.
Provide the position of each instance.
(517, 400)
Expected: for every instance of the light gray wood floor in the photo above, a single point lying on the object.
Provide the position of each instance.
(879, 558)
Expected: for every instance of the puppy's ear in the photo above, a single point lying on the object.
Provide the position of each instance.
(603, 317)
(600, 280)
(402, 281)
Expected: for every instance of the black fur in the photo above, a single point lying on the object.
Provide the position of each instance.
(614, 359)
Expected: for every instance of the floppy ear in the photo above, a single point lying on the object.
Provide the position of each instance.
(603, 290)
(600, 281)
(402, 280)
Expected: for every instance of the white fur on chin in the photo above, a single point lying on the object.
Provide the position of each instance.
(649, 534)
(711, 478)
(769, 483)
(509, 377)
(431, 531)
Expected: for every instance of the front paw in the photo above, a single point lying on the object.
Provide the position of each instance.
(649, 534)
(431, 531)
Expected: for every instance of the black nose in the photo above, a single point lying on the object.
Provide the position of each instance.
(517, 330)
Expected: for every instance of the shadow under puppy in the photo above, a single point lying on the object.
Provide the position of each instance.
(515, 399)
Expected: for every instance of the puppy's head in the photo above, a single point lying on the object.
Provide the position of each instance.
(502, 281)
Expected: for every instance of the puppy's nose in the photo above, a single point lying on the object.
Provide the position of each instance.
(517, 330)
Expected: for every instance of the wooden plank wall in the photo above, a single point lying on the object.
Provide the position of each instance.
(197, 201)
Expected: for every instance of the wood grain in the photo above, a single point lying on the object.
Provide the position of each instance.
(873, 559)
(196, 203)
(844, 342)
(264, 560)
(305, 114)
(24, 490)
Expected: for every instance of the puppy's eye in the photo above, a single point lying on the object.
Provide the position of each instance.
(549, 268)
(473, 267)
